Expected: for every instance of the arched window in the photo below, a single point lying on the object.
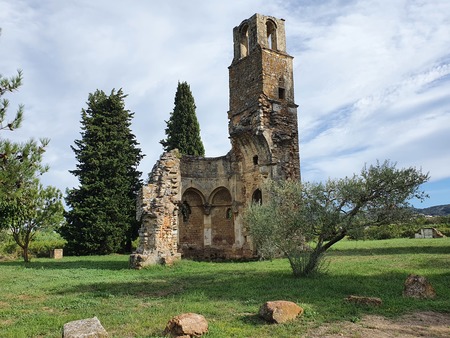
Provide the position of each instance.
(271, 29)
(229, 214)
(244, 41)
(255, 160)
(257, 196)
(185, 211)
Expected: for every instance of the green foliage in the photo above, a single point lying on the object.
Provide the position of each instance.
(35, 209)
(25, 205)
(103, 208)
(283, 210)
(19, 163)
(388, 232)
(10, 85)
(183, 129)
(304, 220)
(430, 221)
(8, 247)
(227, 294)
(20, 168)
(45, 242)
(405, 229)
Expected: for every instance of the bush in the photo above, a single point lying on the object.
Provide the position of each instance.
(45, 242)
(444, 229)
(382, 232)
(8, 248)
(385, 232)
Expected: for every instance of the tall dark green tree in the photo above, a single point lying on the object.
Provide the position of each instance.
(183, 129)
(101, 219)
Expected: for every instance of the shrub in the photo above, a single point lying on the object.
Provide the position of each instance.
(444, 229)
(45, 242)
(8, 248)
(385, 232)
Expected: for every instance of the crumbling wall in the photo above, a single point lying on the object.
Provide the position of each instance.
(157, 209)
(212, 228)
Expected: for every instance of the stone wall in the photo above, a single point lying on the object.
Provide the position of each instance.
(157, 209)
(211, 194)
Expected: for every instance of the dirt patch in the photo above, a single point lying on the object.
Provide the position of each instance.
(419, 324)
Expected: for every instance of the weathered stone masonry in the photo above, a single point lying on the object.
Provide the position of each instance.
(157, 209)
(193, 206)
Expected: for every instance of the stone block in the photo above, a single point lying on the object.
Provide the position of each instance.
(187, 325)
(56, 254)
(84, 328)
(279, 311)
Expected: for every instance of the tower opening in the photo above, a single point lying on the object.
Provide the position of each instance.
(271, 30)
(244, 41)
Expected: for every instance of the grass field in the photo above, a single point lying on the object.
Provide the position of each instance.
(37, 298)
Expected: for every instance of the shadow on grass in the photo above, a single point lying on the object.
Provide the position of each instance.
(391, 251)
(252, 288)
(105, 263)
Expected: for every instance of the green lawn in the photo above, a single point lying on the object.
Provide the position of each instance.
(36, 299)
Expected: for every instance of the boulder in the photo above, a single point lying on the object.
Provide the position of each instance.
(84, 328)
(361, 300)
(187, 325)
(418, 287)
(279, 311)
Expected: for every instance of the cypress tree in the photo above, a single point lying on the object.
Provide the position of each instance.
(103, 208)
(183, 129)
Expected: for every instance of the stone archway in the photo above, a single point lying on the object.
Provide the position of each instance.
(191, 223)
(222, 220)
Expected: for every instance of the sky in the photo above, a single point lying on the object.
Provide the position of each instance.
(372, 77)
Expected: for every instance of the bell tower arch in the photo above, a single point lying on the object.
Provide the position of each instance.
(263, 114)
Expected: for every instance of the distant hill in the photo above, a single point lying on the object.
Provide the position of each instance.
(437, 210)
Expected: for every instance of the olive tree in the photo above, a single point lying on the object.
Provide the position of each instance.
(303, 220)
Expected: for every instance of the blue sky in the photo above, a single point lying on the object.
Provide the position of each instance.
(372, 78)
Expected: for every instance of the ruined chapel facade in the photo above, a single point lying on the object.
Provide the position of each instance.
(193, 206)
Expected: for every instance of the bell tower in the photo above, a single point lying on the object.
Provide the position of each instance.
(263, 114)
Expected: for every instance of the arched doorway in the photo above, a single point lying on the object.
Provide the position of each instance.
(222, 219)
(191, 222)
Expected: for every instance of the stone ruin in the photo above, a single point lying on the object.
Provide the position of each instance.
(157, 209)
(429, 233)
(192, 206)
(416, 286)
